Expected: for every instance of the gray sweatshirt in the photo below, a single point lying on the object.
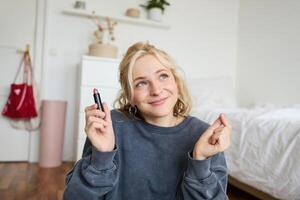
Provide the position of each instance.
(148, 163)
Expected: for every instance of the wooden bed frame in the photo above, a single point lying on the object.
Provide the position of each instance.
(253, 191)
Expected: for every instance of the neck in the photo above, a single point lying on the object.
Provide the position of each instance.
(167, 121)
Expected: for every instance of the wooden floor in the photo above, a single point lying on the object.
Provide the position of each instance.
(26, 181)
(29, 181)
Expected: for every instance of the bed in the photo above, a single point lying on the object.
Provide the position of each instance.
(265, 146)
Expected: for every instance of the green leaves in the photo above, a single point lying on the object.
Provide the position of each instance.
(156, 4)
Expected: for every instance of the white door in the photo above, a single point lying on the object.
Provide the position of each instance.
(17, 28)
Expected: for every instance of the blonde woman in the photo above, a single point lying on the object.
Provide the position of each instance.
(150, 147)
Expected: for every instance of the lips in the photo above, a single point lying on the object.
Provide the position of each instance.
(158, 102)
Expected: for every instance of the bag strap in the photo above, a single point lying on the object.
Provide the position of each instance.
(28, 71)
(22, 98)
(19, 69)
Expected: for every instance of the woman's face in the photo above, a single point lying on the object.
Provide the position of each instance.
(155, 91)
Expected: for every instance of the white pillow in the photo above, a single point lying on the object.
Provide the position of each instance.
(215, 92)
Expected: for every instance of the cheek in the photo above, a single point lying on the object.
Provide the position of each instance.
(173, 87)
(138, 96)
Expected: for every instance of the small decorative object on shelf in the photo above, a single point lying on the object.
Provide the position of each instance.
(79, 5)
(133, 12)
(100, 47)
(155, 9)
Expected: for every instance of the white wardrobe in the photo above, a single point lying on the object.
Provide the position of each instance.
(100, 73)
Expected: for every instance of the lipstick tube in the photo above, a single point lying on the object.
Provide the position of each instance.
(97, 100)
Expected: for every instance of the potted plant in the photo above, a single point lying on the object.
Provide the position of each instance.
(155, 9)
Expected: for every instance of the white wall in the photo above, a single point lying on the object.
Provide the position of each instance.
(202, 38)
(268, 52)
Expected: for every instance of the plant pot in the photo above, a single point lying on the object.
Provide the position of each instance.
(103, 50)
(155, 14)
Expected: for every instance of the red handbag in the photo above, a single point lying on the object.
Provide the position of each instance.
(21, 102)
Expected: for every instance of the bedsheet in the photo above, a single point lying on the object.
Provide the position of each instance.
(265, 147)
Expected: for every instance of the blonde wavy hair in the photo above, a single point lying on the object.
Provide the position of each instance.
(125, 96)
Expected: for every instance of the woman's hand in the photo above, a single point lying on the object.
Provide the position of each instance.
(214, 140)
(99, 129)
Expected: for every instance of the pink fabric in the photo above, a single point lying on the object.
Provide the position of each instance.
(52, 133)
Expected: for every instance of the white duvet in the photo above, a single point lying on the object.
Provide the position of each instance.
(265, 148)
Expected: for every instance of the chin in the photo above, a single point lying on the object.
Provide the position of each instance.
(158, 112)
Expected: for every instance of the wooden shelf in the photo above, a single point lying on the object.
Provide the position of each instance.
(124, 19)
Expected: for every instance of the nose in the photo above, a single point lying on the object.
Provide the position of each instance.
(155, 89)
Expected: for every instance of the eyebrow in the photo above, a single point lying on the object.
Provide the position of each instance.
(143, 77)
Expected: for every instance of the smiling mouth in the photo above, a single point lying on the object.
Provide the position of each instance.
(158, 102)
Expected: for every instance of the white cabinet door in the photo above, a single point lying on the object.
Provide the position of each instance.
(100, 73)
(17, 28)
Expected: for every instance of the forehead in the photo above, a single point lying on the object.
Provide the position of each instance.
(147, 65)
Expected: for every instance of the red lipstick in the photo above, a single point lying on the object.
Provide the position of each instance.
(97, 100)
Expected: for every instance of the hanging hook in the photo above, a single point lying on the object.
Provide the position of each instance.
(27, 49)
(27, 54)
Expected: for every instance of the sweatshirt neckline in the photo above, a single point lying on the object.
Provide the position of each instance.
(164, 130)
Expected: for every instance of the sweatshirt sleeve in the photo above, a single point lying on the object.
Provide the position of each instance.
(204, 179)
(93, 176)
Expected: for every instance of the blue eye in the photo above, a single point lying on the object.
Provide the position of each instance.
(163, 76)
(141, 84)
